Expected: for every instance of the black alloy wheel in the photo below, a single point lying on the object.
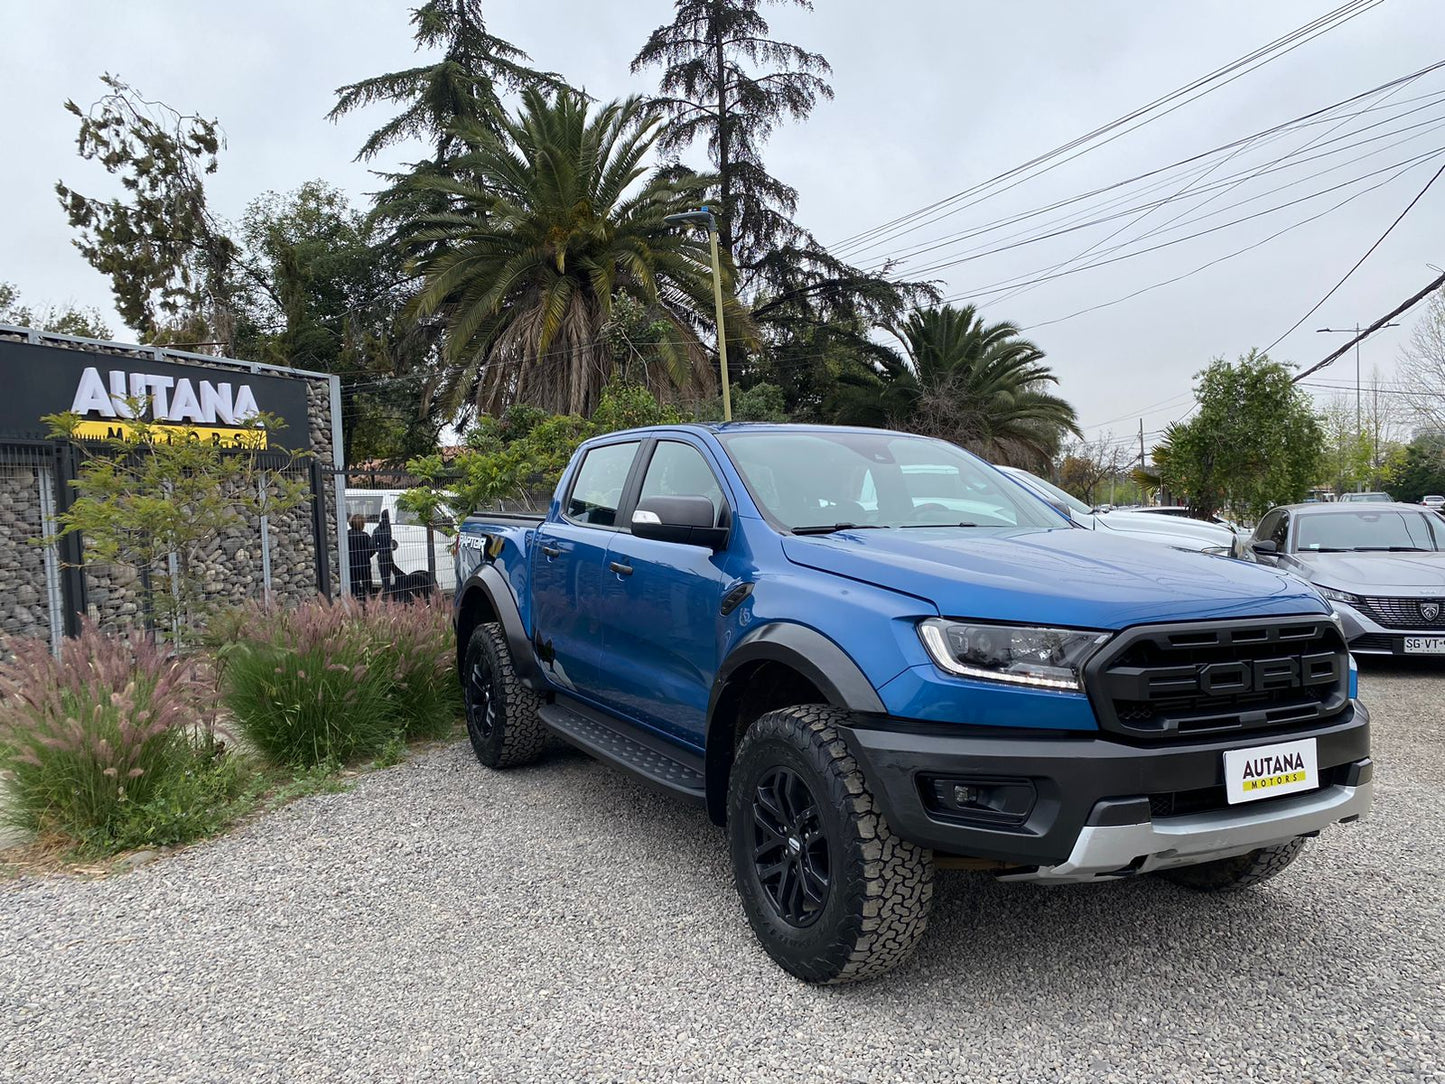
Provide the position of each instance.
(502, 720)
(791, 854)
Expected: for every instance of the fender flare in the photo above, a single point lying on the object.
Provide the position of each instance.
(497, 596)
(826, 665)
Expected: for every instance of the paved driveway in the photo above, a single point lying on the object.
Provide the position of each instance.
(561, 923)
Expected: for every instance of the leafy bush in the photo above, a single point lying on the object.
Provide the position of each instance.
(90, 740)
(337, 681)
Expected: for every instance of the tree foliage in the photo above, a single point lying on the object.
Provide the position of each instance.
(326, 293)
(1418, 468)
(979, 385)
(520, 454)
(1253, 443)
(82, 320)
(550, 221)
(159, 245)
(462, 87)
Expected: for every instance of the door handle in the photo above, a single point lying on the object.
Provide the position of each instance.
(551, 551)
(621, 569)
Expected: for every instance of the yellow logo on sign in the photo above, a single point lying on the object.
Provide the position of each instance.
(1274, 781)
(218, 436)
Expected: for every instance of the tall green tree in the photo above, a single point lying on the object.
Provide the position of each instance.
(1418, 468)
(1254, 441)
(979, 385)
(463, 86)
(328, 293)
(724, 80)
(550, 219)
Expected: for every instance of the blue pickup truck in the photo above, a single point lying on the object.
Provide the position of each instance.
(869, 654)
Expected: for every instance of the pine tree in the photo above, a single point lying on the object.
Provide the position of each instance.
(725, 80)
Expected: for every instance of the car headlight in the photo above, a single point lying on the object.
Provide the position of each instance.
(1339, 596)
(1017, 654)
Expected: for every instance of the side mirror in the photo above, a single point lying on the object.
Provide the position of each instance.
(1060, 507)
(688, 520)
(1265, 547)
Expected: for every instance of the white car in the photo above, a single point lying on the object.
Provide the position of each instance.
(410, 535)
(1434, 500)
(1175, 531)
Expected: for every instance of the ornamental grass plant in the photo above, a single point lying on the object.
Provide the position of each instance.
(332, 682)
(94, 743)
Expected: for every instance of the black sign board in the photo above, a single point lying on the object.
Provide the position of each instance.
(194, 401)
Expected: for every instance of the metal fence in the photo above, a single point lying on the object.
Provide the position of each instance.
(390, 551)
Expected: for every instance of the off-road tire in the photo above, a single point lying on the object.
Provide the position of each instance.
(1241, 871)
(513, 734)
(879, 888)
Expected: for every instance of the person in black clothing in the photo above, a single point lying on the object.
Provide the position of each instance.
(385, 545)
(362, 548)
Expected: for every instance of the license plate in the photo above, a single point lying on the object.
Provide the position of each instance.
(1425, 645)
(1267, 771)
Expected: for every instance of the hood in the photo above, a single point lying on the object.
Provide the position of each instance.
(1375, 573)
(1188, 531)
(1084, 579)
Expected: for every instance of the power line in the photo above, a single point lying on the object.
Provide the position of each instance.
(1207, 84)
(1356, 266)
(1408, 303)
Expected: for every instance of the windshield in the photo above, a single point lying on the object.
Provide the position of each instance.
(1073, 503)
(1364, 530)
(818, 480)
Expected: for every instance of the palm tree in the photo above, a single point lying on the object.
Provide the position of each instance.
(978, 385)
(549, 219)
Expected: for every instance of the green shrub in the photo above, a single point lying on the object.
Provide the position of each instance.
(90, 740)
(187, 805)
(336, 681)
(415, 644)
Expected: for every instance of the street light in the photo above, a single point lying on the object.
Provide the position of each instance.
(1356, 333)
(1359, 426)
(704, 217)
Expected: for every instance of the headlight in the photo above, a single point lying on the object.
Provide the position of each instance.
(1019, 655)
(1339, 596)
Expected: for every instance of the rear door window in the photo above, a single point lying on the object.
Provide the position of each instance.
(597, 490)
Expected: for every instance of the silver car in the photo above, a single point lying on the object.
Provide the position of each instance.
(1381, 565)
(1185, 534)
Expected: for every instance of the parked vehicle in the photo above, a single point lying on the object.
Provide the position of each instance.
(782, 624)
(1368, 498)
(1189, 534)
(1382, 566)
(1433, 501)
(411, 552)
(1182, 511)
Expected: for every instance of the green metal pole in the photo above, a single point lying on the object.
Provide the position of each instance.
(722, 338)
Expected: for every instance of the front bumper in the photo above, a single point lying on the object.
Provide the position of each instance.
(1103, 807)
(1366, 636)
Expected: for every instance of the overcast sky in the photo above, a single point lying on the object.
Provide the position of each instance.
(933, 96)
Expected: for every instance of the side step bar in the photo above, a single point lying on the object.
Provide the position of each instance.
(653, 760)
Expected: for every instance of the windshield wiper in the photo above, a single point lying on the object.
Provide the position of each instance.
(903, 525)
(1392, 549)
(829, 528)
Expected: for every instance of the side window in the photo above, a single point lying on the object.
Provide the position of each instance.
(679, 470)
(1281, 531)
(597, 489)
(1267, 526)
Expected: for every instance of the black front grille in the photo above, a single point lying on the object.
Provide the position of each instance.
(1175, 682)
(1406, 613)
(1373, 641)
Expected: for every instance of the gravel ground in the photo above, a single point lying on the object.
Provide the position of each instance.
(561, 923)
